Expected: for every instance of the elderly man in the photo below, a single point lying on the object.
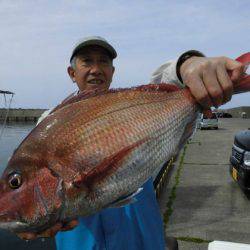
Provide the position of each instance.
(138, 225)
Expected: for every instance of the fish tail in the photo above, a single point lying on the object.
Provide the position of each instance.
(243, 85)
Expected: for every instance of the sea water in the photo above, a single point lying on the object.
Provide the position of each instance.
(12, 136)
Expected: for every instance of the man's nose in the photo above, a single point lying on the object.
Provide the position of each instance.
(95, 68)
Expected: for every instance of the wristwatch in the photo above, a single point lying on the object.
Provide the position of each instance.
(183, 58)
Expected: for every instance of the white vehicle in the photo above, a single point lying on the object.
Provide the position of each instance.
(208, 122)
(225, 245)
(244, 115)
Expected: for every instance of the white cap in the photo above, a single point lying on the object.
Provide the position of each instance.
(94, 40)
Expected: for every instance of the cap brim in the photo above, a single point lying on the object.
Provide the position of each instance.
(100, 43)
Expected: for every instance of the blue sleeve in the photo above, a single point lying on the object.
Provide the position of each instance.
(135, 226)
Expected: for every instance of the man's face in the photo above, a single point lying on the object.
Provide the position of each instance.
(93, 69)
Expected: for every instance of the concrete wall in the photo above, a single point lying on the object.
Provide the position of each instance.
(21, 114)
(34, 114)
(237, 112)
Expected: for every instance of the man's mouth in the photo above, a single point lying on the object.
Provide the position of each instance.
(96, 81)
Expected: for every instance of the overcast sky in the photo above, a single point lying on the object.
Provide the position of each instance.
(37, 38)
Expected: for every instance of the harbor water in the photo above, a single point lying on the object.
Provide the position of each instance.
(12, 136)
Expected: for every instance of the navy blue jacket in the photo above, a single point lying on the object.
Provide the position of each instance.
(137, 226)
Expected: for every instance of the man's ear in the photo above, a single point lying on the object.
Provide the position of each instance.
(71, 73)
(113, 70)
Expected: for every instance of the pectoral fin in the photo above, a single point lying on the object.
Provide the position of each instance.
(105, 168)
(128, 199)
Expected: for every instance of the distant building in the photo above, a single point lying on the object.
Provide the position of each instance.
(239, 112)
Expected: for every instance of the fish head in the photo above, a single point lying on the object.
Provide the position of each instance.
(31, 196)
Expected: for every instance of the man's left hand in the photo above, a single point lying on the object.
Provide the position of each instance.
(208, 79)
(50, 232)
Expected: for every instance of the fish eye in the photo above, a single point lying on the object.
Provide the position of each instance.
(15, 181)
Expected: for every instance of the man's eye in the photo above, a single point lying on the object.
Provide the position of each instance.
(86, 61)
(105, 61)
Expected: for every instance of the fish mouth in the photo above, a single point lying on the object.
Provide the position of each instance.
(16, 226)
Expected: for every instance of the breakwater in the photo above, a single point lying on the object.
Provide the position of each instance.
(20, 115)
(238, 112)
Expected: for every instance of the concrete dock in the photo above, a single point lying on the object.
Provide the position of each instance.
(201, 202)
(20, 115)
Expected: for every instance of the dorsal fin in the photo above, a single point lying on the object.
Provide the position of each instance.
(76, 98)
(166, 87)
(91, 93)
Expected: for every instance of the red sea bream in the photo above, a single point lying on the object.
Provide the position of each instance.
(93, 151)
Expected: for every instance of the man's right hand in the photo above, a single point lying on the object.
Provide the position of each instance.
(208, 80)
(51, 232)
